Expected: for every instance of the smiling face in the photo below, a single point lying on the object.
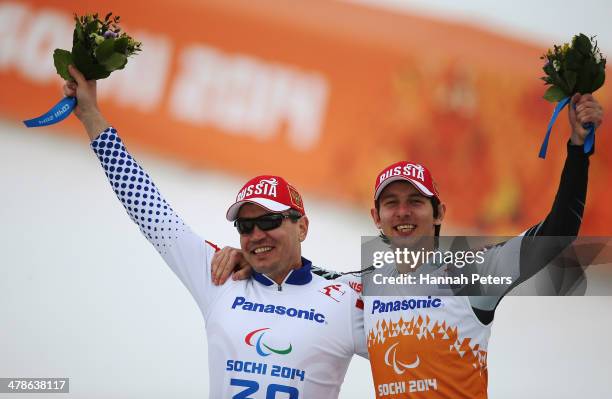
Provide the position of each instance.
(405, 212)
(274, 252)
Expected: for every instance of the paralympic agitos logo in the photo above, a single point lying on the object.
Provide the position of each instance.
(399, 367)
(261, 347)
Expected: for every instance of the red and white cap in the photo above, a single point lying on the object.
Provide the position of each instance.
(270, 192)
(412, 172)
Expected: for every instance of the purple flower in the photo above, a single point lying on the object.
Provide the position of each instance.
(110, 34)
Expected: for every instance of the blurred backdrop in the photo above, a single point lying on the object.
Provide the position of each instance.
(324, 93)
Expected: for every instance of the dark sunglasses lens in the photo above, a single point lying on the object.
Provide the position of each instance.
(269, 222)
(245, 226)
(265, 223)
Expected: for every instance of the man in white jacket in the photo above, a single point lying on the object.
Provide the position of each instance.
(284, 332)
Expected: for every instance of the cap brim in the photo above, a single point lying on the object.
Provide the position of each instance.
(417, 184)
(272, 206)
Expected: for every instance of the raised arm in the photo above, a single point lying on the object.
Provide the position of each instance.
(525, 256)
(184, 251)
(565, 217)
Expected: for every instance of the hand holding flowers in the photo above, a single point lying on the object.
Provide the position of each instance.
(98, 49)
(573, 73)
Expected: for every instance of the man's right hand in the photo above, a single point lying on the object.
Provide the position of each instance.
(225, 262)
(87, 104)
(583, 109)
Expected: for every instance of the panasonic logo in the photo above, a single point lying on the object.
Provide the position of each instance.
(406, 304)
(242, 304)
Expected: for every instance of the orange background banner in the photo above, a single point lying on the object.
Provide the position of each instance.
(323, 93)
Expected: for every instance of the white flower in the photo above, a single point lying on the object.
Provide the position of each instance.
(556, 65)
(597, 57)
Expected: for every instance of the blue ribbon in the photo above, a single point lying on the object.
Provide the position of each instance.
(560, 105)
(588, 141)
(58, 113)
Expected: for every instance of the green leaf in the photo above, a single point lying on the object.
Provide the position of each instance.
(570, 79)
(61, 60)
(598, 81)
(586, 76)
(595, 76)
(548, 68)
(121, 45)
(105, 50)
(583, 44)
(85, 62)
(82, 57)
(573, 60)
(77, 35)
(554, 94)
(97, 72)
(114, 62)
(558, 81)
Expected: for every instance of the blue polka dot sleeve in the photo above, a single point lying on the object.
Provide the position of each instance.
(136, 191)
(184, 251)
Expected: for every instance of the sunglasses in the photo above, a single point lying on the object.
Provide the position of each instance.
(269, 221)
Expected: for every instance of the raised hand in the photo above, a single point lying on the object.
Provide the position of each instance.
(584, 108)
(87, 103)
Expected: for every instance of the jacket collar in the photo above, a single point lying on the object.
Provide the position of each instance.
(299, 276)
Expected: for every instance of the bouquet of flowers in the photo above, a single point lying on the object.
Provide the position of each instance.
(570, 69)
(579, 68)
(98, 49)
